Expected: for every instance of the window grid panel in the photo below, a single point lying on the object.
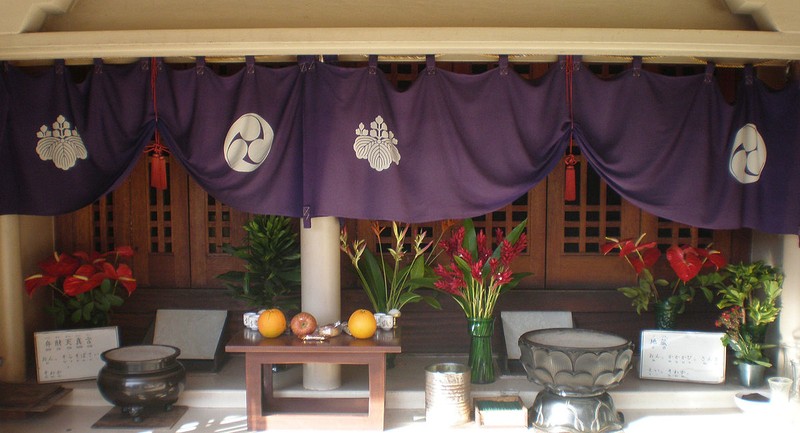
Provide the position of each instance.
(596, 213)
(219, 225)
(160, 217)
(673, 233)
(103, 224)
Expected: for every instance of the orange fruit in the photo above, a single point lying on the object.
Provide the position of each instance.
(271, 323)
(362, 324)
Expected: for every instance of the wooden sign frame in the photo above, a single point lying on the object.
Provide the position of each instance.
(72, 354)
(682, 356)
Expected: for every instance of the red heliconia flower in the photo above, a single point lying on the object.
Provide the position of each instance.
(503, 277)
(477, 269)
(484, 252)
(685, 261)
(451, 279)
(453, 245)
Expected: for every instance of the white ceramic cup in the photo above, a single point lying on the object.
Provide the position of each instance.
(779, 389)
(384, 321)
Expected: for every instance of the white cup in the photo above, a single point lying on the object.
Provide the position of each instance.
(250, 320)
(779, 388)
(384, 321)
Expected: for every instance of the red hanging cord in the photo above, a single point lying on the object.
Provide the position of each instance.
(156, 150)
(570, 160)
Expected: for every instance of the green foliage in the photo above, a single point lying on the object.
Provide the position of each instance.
(748, 296)
(271, 252)
(754, 287)
(391, 283)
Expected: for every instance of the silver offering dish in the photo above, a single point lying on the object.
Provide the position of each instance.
(576, 367)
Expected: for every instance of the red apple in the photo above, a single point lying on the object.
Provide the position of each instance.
(303, 324)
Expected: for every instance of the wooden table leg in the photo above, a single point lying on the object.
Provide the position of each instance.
(377, 390)
(254, 391)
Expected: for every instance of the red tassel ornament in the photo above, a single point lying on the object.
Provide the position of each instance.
(570, 193)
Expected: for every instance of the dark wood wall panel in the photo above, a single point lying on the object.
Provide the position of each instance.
(423, 329)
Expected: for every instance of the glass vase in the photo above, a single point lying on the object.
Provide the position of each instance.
(666, 315)
(481, 362)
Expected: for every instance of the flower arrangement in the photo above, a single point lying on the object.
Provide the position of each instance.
(85, 285)
(476, 276)
(748, 297)
(391, 284)
(686, 262)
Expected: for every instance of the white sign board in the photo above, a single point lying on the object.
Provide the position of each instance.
(73, 354)
(685, 356)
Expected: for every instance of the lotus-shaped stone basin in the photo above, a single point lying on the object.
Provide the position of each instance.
(575, 362)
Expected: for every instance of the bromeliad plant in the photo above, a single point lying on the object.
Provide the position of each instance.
(85, 285)
(476, 276)
(749, 300)
(686, 262)
(391, 284)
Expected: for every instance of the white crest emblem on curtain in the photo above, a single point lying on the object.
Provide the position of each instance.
(248, 143)
(62, 145)
(748, 155)
(377, 145)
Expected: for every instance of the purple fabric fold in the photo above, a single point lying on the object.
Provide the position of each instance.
(666, 144)
(238, 136)
(66, 144)
(451, 146)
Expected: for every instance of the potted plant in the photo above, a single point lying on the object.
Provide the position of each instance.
(392, 283)
(85, 285)
(271, 252)
(475, 278)
(748, 298)
(668, 298)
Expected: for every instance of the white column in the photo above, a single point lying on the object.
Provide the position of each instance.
(320, 290)
(12, 324)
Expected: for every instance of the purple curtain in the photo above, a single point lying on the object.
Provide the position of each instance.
(667, 144)
(451, 146)
(239, 136)
(64, 145)
(316, 139)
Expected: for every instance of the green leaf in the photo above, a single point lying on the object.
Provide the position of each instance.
(470, 240)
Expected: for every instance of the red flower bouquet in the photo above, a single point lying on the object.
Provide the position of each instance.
(476, 276)
(686, 262)
(85, 285)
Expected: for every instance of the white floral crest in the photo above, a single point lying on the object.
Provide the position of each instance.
(378, 145)
(62, 145)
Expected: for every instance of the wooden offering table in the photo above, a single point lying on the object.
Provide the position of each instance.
(265, 411)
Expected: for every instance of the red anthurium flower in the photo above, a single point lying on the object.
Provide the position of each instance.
(124, 251)
(712, 258)
(38, 280)
(85, 279)
(125, 277)
(686, 262)
(60, 265)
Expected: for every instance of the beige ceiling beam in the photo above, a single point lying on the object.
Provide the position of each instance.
(20, 16)
(775, 15)
(715, 45)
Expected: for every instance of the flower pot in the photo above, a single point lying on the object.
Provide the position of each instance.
(751, 375)
(481, 362)
(666, 315)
